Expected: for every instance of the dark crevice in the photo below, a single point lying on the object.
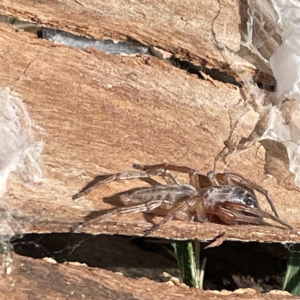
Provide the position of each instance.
(200, 71)
(230, 266)
(129, 47)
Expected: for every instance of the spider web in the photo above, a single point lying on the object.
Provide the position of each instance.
(19, 151)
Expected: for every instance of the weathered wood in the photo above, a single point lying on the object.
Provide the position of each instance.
(174, 27)
(29, 277)
(100, 113)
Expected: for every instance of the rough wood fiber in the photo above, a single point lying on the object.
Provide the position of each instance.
(100, 113)
(174, 27)
(74, 281)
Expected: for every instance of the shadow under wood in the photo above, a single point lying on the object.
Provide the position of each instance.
(230, 266)
(115, 253)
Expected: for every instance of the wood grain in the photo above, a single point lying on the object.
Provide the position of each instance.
(29, 277)
(101, 113)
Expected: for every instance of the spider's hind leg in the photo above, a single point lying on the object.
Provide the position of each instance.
(105, 179)
(143, 207)
(166, 169)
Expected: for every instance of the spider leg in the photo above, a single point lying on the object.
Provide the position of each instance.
(166, 167)
(256, 212)
(235, 179)
(232, 217)
(144, 207)
(105, 179)
(193, 174)
(178, 208)
(226, 179)
(213, 178)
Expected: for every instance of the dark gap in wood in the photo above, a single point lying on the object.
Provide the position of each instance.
(133, 46)
(230, 266)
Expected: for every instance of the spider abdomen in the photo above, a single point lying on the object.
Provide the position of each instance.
(167, 194)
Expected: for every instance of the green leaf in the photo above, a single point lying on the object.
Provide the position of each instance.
(292, 276)
(186, 262)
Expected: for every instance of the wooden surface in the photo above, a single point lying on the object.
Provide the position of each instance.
(174, 27)
(75, 281)
(100, 113)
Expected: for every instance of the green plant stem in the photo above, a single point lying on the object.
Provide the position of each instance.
(187, 263)
(292, 276)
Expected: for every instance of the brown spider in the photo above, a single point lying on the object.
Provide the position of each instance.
(225, 198)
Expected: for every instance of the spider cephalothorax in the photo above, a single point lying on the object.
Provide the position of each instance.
(226, 198)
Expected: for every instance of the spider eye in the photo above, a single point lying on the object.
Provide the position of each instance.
(251, 201)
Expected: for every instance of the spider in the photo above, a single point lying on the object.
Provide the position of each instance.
(226, 198)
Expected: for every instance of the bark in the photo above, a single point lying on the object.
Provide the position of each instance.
(30, 277)
(100, 113)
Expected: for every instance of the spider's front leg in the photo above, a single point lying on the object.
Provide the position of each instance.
(235, 179)
(242, 212)
(231, 213)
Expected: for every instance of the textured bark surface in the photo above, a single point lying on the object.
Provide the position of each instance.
(29, 277)
(174, 27)
(101, 113)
